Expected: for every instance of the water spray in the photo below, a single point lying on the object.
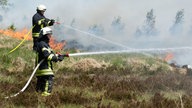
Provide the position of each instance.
(95, 36)
(97, 53)
(130, 51)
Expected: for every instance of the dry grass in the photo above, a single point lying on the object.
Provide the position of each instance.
(86, 64)
(6, 43)
(110, 81)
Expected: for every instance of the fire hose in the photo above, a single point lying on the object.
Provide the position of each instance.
(96, 53)
(26, 85)
(22, 40)
(33, 73)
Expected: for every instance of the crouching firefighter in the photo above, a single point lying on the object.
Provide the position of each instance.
(45, 72)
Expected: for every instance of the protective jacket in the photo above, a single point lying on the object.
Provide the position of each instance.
(39, 21)
(46, 53)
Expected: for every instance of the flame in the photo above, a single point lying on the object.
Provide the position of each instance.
(168, 57)
(16, 34)
(57, 45)
(21, 34)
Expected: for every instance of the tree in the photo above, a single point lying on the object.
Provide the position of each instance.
(96, 29)
(177, 27)
(5, 5)
(179, 17)
(73, 22)
(3, 2)
(117, 25)
(1, 18)
(12, 27)
(149, 25)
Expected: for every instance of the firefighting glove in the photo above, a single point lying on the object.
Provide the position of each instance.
(60, 57)
(52, 22)
(46, 21)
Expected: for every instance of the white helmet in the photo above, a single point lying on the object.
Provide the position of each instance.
(41, 8)
(45, 31)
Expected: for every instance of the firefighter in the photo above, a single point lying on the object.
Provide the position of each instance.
(39, 21)
(45, 72)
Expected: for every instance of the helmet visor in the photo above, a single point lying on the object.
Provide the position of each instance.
(43, 10)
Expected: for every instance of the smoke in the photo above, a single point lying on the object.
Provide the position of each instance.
(99, 16)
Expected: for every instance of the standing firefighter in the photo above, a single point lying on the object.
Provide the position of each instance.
(39, 21)
(45, 72)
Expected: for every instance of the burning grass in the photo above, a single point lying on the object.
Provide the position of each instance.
(105, 81)
(25, 33)
(18, 35)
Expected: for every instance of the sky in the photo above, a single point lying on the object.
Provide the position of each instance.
(88, 12)
(102, 12)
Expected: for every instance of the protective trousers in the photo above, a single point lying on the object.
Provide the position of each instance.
(44, 84)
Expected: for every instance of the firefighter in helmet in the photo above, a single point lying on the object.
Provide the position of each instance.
(39, 21)
(45, 72)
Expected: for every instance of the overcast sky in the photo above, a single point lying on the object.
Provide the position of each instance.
(88, 12)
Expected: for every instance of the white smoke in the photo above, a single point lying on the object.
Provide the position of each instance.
(102, 12)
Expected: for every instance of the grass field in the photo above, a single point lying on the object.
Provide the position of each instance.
(127, 80)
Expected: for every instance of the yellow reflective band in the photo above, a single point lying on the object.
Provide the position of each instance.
(42, 26)
(50, 57)
(49, 63)
(44, 72)
(45, 94)
(43, 49)
(46, 86)
(46, 49)
(40, 21)
(35, 34)
(49, 22)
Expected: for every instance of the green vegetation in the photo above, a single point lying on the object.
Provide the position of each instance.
(127, 80)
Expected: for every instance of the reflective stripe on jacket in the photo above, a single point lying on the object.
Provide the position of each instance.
(44, 72)
(39, 21)
(47, 54)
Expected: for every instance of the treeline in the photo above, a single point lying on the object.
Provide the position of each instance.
(148, 28)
